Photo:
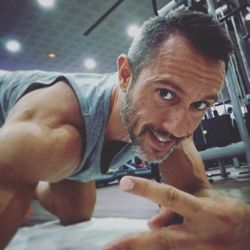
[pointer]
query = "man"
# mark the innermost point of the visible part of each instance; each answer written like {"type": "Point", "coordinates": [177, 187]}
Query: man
{"type": "Point", "coordinates": [62, 130]}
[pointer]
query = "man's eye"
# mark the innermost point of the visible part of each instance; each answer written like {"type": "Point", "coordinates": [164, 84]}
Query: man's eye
{"type": "Point", "coordinates": [200, 105]}
{"type": "Point", "coordinates": [165, 94]}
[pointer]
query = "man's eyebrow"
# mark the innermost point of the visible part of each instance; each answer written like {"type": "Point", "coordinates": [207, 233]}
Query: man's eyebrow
{"type": "Point", "coordinates": [174, 85]}
{"type": "Point", "coordinates": [211, 97]}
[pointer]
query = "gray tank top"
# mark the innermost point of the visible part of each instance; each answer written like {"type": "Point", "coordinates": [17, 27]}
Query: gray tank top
{"type": "Point", "coordinates": [93, 92]}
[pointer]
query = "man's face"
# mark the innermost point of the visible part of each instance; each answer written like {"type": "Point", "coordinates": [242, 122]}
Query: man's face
{"type": "Point", "coordinates": [169, 98]}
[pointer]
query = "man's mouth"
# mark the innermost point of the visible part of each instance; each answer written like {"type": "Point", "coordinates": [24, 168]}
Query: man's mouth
{"type": "Point", "coordinates": [155, 145]}
{"type": "Point", "coordinates": [161, 138]}
{"type": "Point", "coordinates": [161, 142]}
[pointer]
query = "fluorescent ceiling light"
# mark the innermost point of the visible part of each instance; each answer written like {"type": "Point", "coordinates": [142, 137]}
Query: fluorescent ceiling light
{"type": "Point", "coordinates": [52, 55]}
{"type": "Point", "coordinates": [89, 63]}
{"type": "Point", "coordinates": [247, 16]}
{"type": "Point", "coordinates": [13, 46]}
{"type": "Point", "coordinates": [46, 3]}
{"type": "Point", "coordinates": [133, 30]}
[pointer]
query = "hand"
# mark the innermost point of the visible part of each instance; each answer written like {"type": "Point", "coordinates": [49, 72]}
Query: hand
{"type": "Point", "coordinates": [209, 223]}
{"type": "Point", "coordinates": [164, 217]}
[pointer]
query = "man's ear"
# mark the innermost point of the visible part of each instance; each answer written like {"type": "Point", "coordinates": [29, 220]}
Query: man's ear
{"type": "Point", "coordinates": [124, 71]}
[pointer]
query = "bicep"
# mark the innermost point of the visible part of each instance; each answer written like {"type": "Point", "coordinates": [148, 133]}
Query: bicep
{"type": "Point", "coordinates": [31, 151]}
{"type": "Point", "coordinates": [185, 169]}
{"type": "Point", "coordinates": [42, 140]}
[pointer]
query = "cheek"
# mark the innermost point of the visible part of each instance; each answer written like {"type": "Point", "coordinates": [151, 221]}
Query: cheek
{"type": "Point", "coordinates": [144, 107]}
{"type": "Point", "coordinates": [150, 116]}
{"type": "Point", "coordinates": [145, 110]}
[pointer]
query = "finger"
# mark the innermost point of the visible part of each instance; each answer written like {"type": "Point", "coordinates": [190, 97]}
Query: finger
{"type": "Point", "coordinates": [162, 239]}
{"type": "Point", "coordinates": [161, 219]}
{"type": "Point", "coordinates": [164, 218]}
{"type": "Point", "coordinates": [167, 196]}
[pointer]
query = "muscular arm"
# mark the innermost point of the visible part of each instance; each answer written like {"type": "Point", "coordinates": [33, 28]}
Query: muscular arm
{"type": "Point", "coordinates": [184, 169]}
{"type": "Point", "coordinates": [42, 137]}
{"type": "Point", "coordinates": [30, 152]}
{"type": "Point", "coordinates": [40, 140]}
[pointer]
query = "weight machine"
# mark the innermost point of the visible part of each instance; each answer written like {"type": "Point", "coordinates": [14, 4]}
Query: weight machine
{"type": "Point", "coordinates": [231, 13]}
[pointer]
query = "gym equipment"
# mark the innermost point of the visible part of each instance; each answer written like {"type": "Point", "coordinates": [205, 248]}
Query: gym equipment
{"type": "Point", "coordinates": [237, 78]}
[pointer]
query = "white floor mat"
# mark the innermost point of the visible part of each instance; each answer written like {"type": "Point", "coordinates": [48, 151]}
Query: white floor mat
{"type": "Point", "coordinates": [91, 235]}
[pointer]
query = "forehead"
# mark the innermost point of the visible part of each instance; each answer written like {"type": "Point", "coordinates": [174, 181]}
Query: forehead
{"type": "Point", "coordinates": [179, 62]}
{"type": "Point", "coordinates": [178, 52]}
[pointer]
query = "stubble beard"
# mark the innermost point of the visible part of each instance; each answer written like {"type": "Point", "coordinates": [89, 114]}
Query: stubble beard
{"type": "Point", "coordinates": [129, 122]}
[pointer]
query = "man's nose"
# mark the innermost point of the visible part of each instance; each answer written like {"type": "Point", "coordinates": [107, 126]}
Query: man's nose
{"type": "Point", "coordinates": [180, 123]}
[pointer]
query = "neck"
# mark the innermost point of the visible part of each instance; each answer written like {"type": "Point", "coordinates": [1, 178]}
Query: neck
{"type": "Point", "coordinates": [115, 130]}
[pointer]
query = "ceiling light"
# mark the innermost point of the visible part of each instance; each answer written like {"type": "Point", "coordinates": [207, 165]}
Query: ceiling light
{"type": "Point", "coordinates": [46, 3]}
{"type": "Point", "coordinates": [13, 46]}
{"type": "Point", "coordinates": [247, 16]}
{"type": "Point", "coordinates": [133, 30]}
{"type": "Point", "coordinates": [89, 63]}
{"type": "Point", "coordinates": [52, 55]}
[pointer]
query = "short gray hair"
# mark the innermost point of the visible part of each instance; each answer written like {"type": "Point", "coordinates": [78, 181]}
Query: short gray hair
{"type": "Point", "coordinates": [205, 33]}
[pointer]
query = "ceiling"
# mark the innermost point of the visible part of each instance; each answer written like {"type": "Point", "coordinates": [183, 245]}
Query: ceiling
{"type": "Point", "coordinates": [61, 30]}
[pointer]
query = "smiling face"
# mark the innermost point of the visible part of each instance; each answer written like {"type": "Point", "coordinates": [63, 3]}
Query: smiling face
{"type": "Point", "coordinates": [169, 98]}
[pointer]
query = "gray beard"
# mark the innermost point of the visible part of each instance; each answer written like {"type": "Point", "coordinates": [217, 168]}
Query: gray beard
{"type": "Point", "coordinates": [137, 151]}
{"type": "Point", "coordinates": [125, 113]}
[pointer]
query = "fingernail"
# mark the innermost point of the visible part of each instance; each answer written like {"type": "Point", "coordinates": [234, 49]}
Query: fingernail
{"type": "Point", "coordinates": [126, 184]}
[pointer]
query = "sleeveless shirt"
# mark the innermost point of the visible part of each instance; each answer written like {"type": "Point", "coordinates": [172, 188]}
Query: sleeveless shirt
{"type": "Point", "coordinates": [93, 92]}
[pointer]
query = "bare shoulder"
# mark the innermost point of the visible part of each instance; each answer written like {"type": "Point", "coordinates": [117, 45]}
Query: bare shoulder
{"type": "Point", "coordinates": [188, 146]}
{"type": "Point", "coordinates": [186, 154]}
{"type": "Point", "coordinates": [45, 130]}
{"type": "Point", "coordinates": [54, 105]}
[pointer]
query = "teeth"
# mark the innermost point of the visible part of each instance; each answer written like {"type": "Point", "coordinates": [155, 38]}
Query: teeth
{"type": "Point", "coordinates": [161, 138]}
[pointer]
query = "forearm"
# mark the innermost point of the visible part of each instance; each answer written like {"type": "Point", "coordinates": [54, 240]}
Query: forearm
{"type": "Point", "coordinates": [184, 175]}
{"type": "Point", "coordinates": [184, 169]}
{"type": "Point", "coordinates": [44, 196]}
{"type": "Point", "coordinates": [70, 201]}
{"type": "Point", "coordinates": [15, 200]}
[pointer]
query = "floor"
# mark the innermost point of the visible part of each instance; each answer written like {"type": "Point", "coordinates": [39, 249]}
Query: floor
{"type": "Point", "coordinates": [112, 202]}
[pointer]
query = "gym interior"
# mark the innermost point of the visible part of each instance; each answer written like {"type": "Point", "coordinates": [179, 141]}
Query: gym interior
{"type": "Point", "coordinates": [87, 36]}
